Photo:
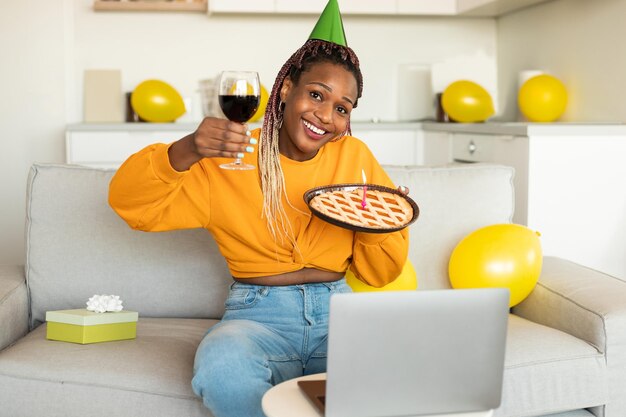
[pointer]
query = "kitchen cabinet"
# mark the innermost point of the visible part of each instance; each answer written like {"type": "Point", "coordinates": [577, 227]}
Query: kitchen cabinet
{"type": "Point", "coordinates": [373, 7]}
{"type": "Point", "coordinates": [300, 6]}
{"type": "Point", "coordinates": [241, 6]}
{"type": "Point", "coordinates": [483, 8]}
{"type": "Point", "coordinates": [502, 149]}
{"type": "Point", "coordinates": [108, 145]}
{"type": "Point", "coordinates": [486, 8]}
{"type": "Point", "coordinates": [143, 6]}
{"type": "Point", "coordinates": [570, 182]}
{"type": "Point", "coordinates": [392, 143]}
{"type": "Point", "coordinates": [426, 7]}
{"type": "Point", "coordinates": [436, 148]}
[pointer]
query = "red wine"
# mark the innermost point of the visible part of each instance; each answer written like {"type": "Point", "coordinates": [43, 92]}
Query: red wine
{"type": "Point", "coordinates": [239, 108]}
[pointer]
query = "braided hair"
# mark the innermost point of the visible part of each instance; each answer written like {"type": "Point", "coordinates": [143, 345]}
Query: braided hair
{"type": "Point", "coordinates": [271, 174]}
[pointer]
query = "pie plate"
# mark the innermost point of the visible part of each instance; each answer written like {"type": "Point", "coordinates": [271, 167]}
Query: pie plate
{"type": "Point", "coordinates": [314, 192]}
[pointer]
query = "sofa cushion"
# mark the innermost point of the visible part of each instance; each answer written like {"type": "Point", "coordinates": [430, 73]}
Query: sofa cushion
{"type": "Point", "coordinates": [148, 376]}
{"type": "Point", "coordinates": [77, 246]}
{"type": "Point", "coordinates": [546, 371]}
{"type": "Point", "coordinates": [454, 201]}
{"type": "Point", "coordinates": [549, 371]}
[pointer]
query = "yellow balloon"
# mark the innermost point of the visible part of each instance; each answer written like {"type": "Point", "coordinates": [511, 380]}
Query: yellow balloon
{"type": "Point", "coordinates": [467, 102]}
{"type": "Point", "coordinates": [542, 98]}
{"type": "Point", "coordinates": [262, 106]}
{"type": "Point", "coordinates": [157, 101]}
{"type": "Point", "coordinates": [407, 280]}
{"type": "Point", "coordinates": [498, 256]}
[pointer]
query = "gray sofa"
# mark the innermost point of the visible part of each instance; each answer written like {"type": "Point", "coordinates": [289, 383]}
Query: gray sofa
{"type": "Point", "coordinates": [566, 346]}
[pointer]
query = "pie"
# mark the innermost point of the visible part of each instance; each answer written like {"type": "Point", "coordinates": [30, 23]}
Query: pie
{"type": "Point", "coordinates": [383, 209]}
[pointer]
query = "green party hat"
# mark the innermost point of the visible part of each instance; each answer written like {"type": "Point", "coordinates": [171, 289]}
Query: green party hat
{"type": "Point", "coordinates": [329, 27]}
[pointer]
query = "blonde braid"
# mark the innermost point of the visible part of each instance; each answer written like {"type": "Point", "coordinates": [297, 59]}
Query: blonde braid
{"type": "Point", "coordinates": [270, 170]}
{"type": "Point", "coordinates": [272, 179]}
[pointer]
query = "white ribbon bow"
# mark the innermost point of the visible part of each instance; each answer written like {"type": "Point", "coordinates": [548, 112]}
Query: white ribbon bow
{"type": "Point", "coordinates": [104, 303]}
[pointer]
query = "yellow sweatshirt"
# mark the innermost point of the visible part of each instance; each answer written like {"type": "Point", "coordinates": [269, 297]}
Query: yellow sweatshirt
{"type": "Point", "coordinates": [151, 196]}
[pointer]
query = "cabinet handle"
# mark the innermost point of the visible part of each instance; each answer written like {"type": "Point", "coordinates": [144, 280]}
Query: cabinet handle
{"type": "Point", "coordinates": [471, 147]}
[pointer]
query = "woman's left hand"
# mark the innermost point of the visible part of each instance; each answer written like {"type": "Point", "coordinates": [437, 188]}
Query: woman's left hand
{"type": "Point", "coordinates": [403, 190]}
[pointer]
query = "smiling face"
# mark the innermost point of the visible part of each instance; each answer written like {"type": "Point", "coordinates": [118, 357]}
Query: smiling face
{"type": "Point", "coordinates": [317, 109]}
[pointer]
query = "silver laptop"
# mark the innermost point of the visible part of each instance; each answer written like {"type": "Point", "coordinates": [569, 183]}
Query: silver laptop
{"type": "Point", "coordinates": [415, 353]}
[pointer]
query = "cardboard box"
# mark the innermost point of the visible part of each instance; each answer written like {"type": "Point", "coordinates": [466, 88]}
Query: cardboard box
{"type": "Point", "coordinates": [103, 100]}
{"type": "Point", "coordinates": [84, 326]}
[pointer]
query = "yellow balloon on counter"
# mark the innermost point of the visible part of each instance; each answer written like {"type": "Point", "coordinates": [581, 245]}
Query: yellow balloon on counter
{"type": "Point", "coordinates": [262, 105]}
{"type": "Point", "coordinates": [498, 256]}
{"type": "Point", "coordinates": [157, 101]}
{"type": "Point", "coordinates": [407, 280]}
{"type": "Point", "coordinates": [542, 98]}
{"type": "Point", "coordinates": [467, 102]}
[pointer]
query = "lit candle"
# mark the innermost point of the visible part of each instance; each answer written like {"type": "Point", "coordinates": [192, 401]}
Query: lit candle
{"type": "Point", "coordinates": [363, 202]}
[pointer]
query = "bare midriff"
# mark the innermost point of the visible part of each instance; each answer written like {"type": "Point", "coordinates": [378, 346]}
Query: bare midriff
{"type": "Point", "coordinates": [302, 276]}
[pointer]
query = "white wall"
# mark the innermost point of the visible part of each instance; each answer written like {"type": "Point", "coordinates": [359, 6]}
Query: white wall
{"type": "Point", "coordinates": [46, 46]}
{"type": "Point", "coordinates": [182, 48]}
{"type": "Point", "coordinates": [578, 41]}
{"type": "Point", "coordinates": [32, 106]}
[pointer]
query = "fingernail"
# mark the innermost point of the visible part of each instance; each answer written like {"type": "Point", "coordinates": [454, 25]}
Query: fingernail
{"type": "Point", "coordinates": [253, 141]}
{"type": "Point", "coordinates": [239, 155]}
{"type": "Point", "coordinates": [248, 133]}
{"type": "Point", "coordinates": [249, 149]}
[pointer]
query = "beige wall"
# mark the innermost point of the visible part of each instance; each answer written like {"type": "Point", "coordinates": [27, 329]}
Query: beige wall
{"type": "Point", "coordinates": [579, 41]}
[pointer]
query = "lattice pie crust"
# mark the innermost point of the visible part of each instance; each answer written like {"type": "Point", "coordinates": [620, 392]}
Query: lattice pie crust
{"type": "Point", "coordinates": [383, 210]}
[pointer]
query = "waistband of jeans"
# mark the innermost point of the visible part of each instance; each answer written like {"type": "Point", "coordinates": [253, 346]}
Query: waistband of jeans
{"type": "Point", "coordinates": [296, 287]}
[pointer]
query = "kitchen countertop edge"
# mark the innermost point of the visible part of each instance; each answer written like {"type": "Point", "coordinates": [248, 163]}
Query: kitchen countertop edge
{"type": "Point", "coordinates": [493, 128]}
{"type": "Point", "coordinates": [190, 126]}
{"type": "Point", "coordinates": [529, 129]}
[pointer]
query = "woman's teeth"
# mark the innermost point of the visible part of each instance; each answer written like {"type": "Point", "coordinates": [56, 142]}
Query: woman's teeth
{"type": "Point", "coordinates": [313, 128]}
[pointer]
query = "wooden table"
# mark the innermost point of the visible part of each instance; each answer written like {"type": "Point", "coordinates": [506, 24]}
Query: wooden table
{"type": "Point", "coordinates": [287, 400]}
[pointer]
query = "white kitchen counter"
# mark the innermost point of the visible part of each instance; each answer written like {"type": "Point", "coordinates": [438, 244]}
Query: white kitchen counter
{"type": "Point", "coordinates": [570, 182]}
{"type": "Point", "coordinates": [496, 128]}
{"type": "Point", "coordinates": [145, 127]}
{"type": "Point", "coordinates": [528, 129]}
{"type": "Point", "coordinates": [107, 145]}
{"type": "Point", "coordinates": [134, 127]}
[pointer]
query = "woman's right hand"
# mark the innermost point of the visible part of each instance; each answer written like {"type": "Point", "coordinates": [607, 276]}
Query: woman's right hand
{"type": "Point", "coordinates": [213, 138]}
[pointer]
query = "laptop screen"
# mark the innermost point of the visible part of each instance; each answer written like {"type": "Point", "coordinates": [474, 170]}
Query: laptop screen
{"type": "Point", "coordinates": [416, 352]}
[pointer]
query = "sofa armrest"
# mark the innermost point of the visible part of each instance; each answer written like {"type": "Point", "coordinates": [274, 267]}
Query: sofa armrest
{"type": "Point", "coordinates": [13, 304]}
{"type": "Point", "coordinates": [580, 301]}
{"type": "Point", "coordinates": [589, 305]}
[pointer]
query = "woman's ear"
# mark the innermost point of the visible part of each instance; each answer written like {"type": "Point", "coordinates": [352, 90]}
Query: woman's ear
{"type": "Point", "coordinates": [285, 89]}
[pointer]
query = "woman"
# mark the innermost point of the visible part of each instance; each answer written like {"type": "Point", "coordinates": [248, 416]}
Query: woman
{"type": "Point", "coordinates": [285, 262]}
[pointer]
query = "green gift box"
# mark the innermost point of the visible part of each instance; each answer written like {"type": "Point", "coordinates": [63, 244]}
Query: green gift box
{"type": "Point", "coordinates": [84, 326]}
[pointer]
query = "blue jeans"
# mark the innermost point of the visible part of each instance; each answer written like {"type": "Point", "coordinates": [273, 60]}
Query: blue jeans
{"type": "Point", "coordinates": [268, 334]}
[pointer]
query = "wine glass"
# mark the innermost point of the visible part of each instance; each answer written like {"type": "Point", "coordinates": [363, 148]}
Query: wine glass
{"type": "Point", "coordinates": [239, 97]}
